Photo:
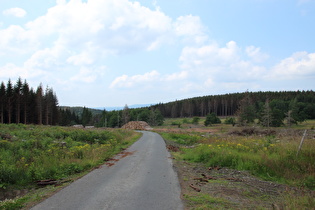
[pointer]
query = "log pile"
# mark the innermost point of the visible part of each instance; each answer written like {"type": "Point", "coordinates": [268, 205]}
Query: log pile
{"type": "Point", "coordinates": [137, 125]}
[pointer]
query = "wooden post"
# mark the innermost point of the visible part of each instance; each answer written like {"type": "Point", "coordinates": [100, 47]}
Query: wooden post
{"type": "Point", "coordinates": [301, 143]}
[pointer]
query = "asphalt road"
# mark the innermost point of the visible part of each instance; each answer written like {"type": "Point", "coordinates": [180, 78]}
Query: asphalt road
{"type": "Point", "coordinates": [143, 178]}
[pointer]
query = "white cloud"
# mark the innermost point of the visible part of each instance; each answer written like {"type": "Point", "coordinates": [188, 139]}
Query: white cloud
{"type": "Point", "coordinates": [107, 27]}
{"type": "Point", "coordinates": [176, 76]}
{"type": "Point", "coordinates": [212, 66]}
{"type": "Point", "coordinates": [70, 42]}
{"type": "Point", "coordinates": [47, 58]}
{"type": "Point", "coordinates": [83, 58]}
{"type": "Point", "coordinates": [300, 64]}
{"type": "Point", "coordinates": [110, 24]}
{"type": "Point", "coordinates": [85, 75]}
{"type": "Point", "coordinates": [64, 36]}
{"type": "Point", "coordinates": [16, 12]}
{"type": "Point", "coordinates": [12, 71]}
{"type": "Point", "coordinates": [209, 56]}
{"type": "Point", "coordinates": [126, 81]}
{"type": "Point", "coordinates": [255, 54]}
{"type": "Point", "coordinates": [191, 28]}
{"type": "Point", "coordinates": [15, 39]}
{"type": "Point", "coordinates": [215, 66]}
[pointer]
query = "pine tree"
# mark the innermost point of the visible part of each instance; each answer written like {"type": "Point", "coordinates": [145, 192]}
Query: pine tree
{"type": "Point", "coordinates": [9, 102]}
{"type": "Point", "coordinates": [25, 99]}
{"type": "Point", "coordinates": [246, 113]}
{"type": "Point", "coordinates": [2, 101]}
{"type": "Point", "coordinates": [18, 96]}
{"type": "Point", "coordinates": [39, 104]}
{"type": "Point", "coordinates": [86, 116]}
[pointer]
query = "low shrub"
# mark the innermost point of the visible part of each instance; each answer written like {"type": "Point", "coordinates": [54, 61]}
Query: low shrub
{"type": "Point", "coordinates": [264, 156]}
{"type": "Point", "coordinates": [31, 153]}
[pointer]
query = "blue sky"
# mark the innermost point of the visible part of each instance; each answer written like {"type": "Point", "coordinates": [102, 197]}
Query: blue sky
{"type": "Point", "coordinates": [98, 53]}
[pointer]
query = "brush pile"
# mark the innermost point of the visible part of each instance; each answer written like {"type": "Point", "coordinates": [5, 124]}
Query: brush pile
{"type": "Point", "coordinates": [137, 125]}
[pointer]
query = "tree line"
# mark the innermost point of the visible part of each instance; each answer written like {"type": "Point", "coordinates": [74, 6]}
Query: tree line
{"type": "Point", "coordinates": [271, 108]}
{"type": "Point", "coordinates": [117, 118]}
{"type": "Point", "coordinates": [21, 104]}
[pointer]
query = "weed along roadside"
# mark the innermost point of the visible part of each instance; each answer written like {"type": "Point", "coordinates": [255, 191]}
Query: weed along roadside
{"type": "Point", "coordinates": [243, 168]}
{"type": "Point", "coordinates": [38, 160]}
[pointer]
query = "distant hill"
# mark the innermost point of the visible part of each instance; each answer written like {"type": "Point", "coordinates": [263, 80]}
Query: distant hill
{"type": "Point", "coordinates": [122, 107]}
{"type": "Point", "coordinates": [98, 110]}
{"type": "Point", "coordinates": [78, 110]}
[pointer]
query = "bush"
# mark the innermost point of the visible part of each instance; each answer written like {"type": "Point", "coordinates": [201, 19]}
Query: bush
{"type": "Point", "coordinates": [196, 120]}
{"type": "Point", "coordinates": [212, 119]}
{"type": "Point", "coordinates": [230, 120]}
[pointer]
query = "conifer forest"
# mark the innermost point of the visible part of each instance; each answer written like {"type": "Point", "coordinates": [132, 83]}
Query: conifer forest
{"type": "Point", "coordinates": [19, 103]}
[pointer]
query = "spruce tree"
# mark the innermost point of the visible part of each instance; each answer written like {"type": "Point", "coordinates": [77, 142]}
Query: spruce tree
{"type": "Point", "coordinates": [18, 96]}
{"type": "Point", "coordinates": [25, 100]}
{"type": "Point", "coordinates": [9, 101]}
{"type": "Point", "coordinates": [2, 101]}
{"type": "Point", "coordinates": [246, 113]}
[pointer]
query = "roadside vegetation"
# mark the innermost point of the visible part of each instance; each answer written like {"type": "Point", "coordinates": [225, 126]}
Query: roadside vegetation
{"type": "Point", "coordinates": [268, 153]}
{"type": "Point", "coordinates": [31, 155]}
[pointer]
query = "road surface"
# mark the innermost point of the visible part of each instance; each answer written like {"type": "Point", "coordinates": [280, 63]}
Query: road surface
{"type": "Point", "coordinates": [140, 178]}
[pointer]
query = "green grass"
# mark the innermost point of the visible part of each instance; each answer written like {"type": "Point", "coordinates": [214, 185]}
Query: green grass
{"type": "Point", "coordinates": [29, 153]}
{"type": "Point", "coordinates": [269, 157]}
{"type": "Point", "coordinates": [298, 202]}
{"type": "Point", "coordinates": [183, 139]}
{"type": "Point", "coordinates": [205, 201]}
{"type": "Point", "coordinates": [12, 204]}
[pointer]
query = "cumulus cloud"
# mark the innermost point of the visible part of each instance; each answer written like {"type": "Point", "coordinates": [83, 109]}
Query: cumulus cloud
{"type": "Point", "coordinates": [191, 28]}
{"type": "Point", "coordinates": [230, 65]}
{"type": "Point", "coordinates": [176, 76]}
{"type": "Point", "coordinates": [213, 65]}
{"type": "Point", "coordinates": [74, 48]}
{"type": "Point", "coordinates": [107, 27]}
{"type": "Point", "coordinates": [209, 56]}
{"type": "Point", "coordinates": [85, 75]}
{"type": "Point", "coordinates": [16, 40]}
{"type": "Point", "coordinates": [47, 58]}
{"type": "Point", "coordinates": [255, 54]}
{"type": "Point", "coordinates": [83, 58]}
{"type": "Point", "coordinates": [300, 64]}
{"type": "Point", "coordinates": [16, 12]}
{"type": "Point", "coordinates": [126, 81]}
{"type": "Point", "coordinates": [11, 70]}
{"type": "Point", "coordinates": [120, 26]}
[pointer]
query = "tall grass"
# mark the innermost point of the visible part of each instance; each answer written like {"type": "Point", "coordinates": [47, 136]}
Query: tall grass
{"type": "Point", "coordinates": [30, 153]}
{"type": "Point", "coordinates": [269, 157]}
{"type": "Point", "coordinates": [181, 138]}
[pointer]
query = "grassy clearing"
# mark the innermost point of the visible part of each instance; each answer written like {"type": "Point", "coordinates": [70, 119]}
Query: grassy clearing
{"type": "Point", "coordinates": [30, 153]}
{"type": "Point", "coordinates": [268, 155]}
